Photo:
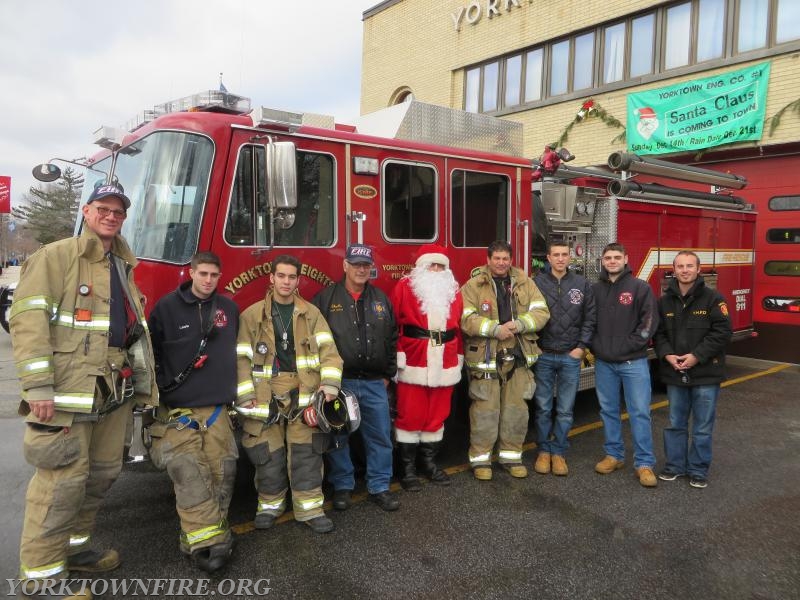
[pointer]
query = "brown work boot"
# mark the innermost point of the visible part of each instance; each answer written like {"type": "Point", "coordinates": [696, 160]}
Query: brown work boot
{"type": "Point", "coordinates": [559, 465]}
{"type": "Point", "coordinates": [609, 464]}
{"type": "Point", "coordinates": [93, 561]}
{"type": "Point", "coordinates": [646, 477]}
{"type": "Point", "coordinates": [482, 473]}
{"type": "Point", "coordinates": [516, 470]}
{"type": "Point", "coordinates": [542, 464]}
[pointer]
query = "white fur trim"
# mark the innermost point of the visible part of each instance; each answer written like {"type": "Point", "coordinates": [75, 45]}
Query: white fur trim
{"type": "Point", "coordinates": [401, 360]}
{"type": "Point", "coordinates": [432, 378]}
{"type": "Point", "coordinates": [431, 436]}
{"type": "Point", "coordinates": [433, 257]}
{"type": "Point", "coordinates": [407, 437]}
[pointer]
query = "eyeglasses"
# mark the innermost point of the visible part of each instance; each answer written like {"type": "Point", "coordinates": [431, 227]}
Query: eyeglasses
{"type": "Point", "coordinates": [360, 266]}
{"type": "Point", "coordinates": [105, 212]}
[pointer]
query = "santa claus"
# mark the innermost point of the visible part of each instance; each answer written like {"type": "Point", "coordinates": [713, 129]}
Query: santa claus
{"type": "Point", "coordinates": [430, 353]}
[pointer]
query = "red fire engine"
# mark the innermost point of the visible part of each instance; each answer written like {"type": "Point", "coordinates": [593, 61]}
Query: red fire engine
{"type": "Point", "coordinates": [206, 172]}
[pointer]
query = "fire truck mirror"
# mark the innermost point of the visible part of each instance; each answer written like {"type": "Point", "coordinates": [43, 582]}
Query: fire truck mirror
{"type": "Point", "coordinates": [282, 175]}
{"type": "Point", "coordinates": [46, 172]}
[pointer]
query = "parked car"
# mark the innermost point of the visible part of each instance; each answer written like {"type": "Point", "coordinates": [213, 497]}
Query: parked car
{"type": "Point", "coordinates": [6, 296]}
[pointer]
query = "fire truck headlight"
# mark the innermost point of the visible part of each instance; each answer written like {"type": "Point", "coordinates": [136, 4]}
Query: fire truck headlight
{"type": "Point", "coordinates": [365, 166]}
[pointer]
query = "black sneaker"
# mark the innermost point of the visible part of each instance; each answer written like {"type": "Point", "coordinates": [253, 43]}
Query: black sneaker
{"type": "Point", "coordinates": [698, 482]}
{"type": "Point", "coordinates": [667, 475]}
{"type": "Point", "coordinates": [341, 499]}
{"type": "Point", "coordinates": [320, 524]}
{"type": "Point", "coordinates": [386, 500]}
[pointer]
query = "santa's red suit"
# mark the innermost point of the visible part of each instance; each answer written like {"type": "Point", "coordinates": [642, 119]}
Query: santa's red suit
{"type": "Point", "coordinates": [426, 370]}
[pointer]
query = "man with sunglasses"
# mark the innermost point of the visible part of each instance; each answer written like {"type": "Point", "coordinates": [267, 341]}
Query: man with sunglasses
{"type": "Point", "coordinates": [76, 318]}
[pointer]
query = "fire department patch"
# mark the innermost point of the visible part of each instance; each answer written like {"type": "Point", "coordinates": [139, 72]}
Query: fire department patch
{"type": "Point", "coordinates": [723, 308]}
{"type": "Point", "coordinates": [486, 306]}
{"type": "Point", "coordinates": [626, 298]}
{"type": "Point", "coordinates": [220, 319]}
{"type": "Point", "coordinates": [379, 309]}
{"type": "Point", "coordinates": [575, 296]}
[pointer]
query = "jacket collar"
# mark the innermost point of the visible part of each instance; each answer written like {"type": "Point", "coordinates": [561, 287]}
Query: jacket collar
{"type": "Point", "coordinates": [604, 274]}
{"type": "Point", "coordinates": [675, 289]}
{"type": "Point", "coordinates": [90, 246]}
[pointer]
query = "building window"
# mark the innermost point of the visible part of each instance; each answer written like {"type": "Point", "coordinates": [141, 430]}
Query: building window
{"type": "Point", "coordinates": [780, 203]}
{"type": "Point", "coordinates": [409, 201]}
{"type": "Point", "coordinates": [479, 200]}
{"type": "Point", "coordinates": [642, 43]}
{"type": "Point", "coordinates": [677, 35]}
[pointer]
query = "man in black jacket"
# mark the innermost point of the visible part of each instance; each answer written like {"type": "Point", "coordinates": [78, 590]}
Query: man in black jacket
{"type": "Point", "coordinates": [563, 341]}
{"type": "Point", "coordinates": [362, 322]}
{"type": "Point", "coordinates": [194, 341]}
{"type": "Point", "coordinates": [627, 317]}
{"type": "Point", "coordinates": [690, 342]}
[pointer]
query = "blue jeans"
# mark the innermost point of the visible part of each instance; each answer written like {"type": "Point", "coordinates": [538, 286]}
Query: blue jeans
{"type": "Point", "coordinates": [565, 371]}
{"type": "Point", "coordinates": [632, 376]}
{"type": "Point", "coordinates": [376, 431]}
{"type": "Point", "coordinates": [699, 401]}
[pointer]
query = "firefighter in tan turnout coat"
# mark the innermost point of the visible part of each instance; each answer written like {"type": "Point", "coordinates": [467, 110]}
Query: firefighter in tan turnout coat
{"type": "Point", "coordinates": [286, 354]}
{"type": "Point", "coordinates": [80, 346]}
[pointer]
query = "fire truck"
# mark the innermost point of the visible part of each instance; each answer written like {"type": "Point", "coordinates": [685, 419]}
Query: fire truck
{"type": "Point", "coordinates": [208, 173]}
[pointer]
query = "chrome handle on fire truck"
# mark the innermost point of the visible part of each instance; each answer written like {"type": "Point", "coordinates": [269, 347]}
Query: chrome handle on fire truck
{"type": "Point", "coordinates": [358, 218]}
{"type": "Point", "coordinates": [526, 250]}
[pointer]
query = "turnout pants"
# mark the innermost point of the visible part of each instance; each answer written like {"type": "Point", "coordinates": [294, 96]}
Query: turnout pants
{"type": "Point", "coordinates": [75, 467]}
{"type": "Point", "coordinates": [202, 465]}
{"type": "Point", "coordinates": [498, 415]}
{"type": "Point", "coordinates": [286, 453]}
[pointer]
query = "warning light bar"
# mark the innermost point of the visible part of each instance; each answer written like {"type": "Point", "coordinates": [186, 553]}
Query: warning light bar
{"type": "Point", "coordinates": [208, 101]}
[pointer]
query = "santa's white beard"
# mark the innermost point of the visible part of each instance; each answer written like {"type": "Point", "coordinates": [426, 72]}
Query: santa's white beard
{"type": "Point", "coordinates": [435, 291]}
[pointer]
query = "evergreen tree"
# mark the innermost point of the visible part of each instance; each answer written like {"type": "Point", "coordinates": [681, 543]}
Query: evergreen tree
{"type": "Point", "coordinates": [50, 209]}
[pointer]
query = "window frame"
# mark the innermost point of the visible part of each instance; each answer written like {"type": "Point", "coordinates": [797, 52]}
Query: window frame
{"type": "Point", "coordinates": [451, 208]}
{"type": "Point", "coordinates": [436, 200]}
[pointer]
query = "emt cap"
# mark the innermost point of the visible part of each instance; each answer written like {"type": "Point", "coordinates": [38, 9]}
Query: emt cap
{"type": "Point", "coordinates": [108, 190]}
{"type": "Point", "coordinates": [359, 253]}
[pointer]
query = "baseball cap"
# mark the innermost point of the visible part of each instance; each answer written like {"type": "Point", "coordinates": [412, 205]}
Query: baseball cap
{"type": "Point", "coordinates": [111, 189]}
{"type": "Point", "coordinates": [359, 253]}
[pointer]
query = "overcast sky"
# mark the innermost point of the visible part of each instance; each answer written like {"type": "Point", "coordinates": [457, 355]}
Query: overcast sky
{"type": "Point", "coordinates": [66, 68]}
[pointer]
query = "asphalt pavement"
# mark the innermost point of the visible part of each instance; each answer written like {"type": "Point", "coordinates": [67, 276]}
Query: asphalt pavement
{"type": "Point", "coordinates": [583, 536]}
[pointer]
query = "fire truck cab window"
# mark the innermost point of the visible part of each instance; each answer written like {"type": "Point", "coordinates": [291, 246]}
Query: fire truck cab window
{"type": "Point", "coordinates": [409, 201]}
{"type": "Point", "coordinates": [166, 177]}
{"type": "Point", "coordinates": [780, 203]}
{"type": "Point", "coordinates": [480, 208]}
{"type": "Point", "coordinates": [248, 222]}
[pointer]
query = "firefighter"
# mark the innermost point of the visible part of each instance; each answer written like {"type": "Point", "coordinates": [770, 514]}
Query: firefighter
{"type": "Point", "coordinates": [82, 355]}
{"type": "Point", "coordinates": [194, 340]}
{"type": "Point", "coordinates": [286, 354]}
{"type": "Point", "coordinates": [427, 305]}
{"type": "Point", "coordinates": [362, 321]}
{"type": "Point", "coordinates": [503, 311]}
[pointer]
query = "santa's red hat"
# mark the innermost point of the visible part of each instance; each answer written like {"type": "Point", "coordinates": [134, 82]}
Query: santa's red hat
{"type": "Point", "coordinates": [646, 113]}
{"type": "Point", "coordinates": [432, 253]}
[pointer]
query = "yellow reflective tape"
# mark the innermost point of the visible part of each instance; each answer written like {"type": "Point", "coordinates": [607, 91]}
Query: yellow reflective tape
{"type": "Point", "coordinates": [99, 323]}
{"type": "Point", "coordinates": [330, 373]}
{"type": "Point", "coordinates": [487, 327]}
{"type": "Point", "coordinates": [21, 305]}
{"type": "Point", "coordinates": [43, 571]}
{"type": "Point", "coordinates": [34, 365]}
{"type": "Point", "coordinates": [310, 362]}
{"type": "Point", "coordinates": [259, 411]}
{"type": "Point", "coordinates": [200, 535]}
{"type": "Point", "coordinates": [324, 337]}
{"type": "Point", "coordinates": [273, 506]}
{"type": "Point", "coordinates": [262, 374]}
{"type": "Point", "coordinates": [468, 310]}
{"type": "Point", "coordinates": [245, 387]}
{"type": "Point", "coordinates": [304, 400]}
{"type": "Point", "coordinates": [527, 319]}
{"type": "Point", "coordinates": [481, 458]}
{"type": "Point", "coordinates": [483, 366]}
{"type": "Point", "coordinates": [244, 350]}
{"type": "Point", "coordinates": [510, 454]}
{"type": "Point", "coordinates": [311, 503]}
{"type": "Point", "coordinates": [74, 402]}
{"type": "Point", "coordinates": [537, 304]}
{"type": "Point", "coordinates": [78, 540]}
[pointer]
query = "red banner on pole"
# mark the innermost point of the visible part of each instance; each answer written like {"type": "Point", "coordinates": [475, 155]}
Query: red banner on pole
{"type": "Point", "coordinates": [5, 194]}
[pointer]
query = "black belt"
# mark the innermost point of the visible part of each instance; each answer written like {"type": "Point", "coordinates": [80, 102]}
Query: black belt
{"type": "Point", "coordinates": [437, 338]}
{"type": "Point", "coordinates": [549, 351]}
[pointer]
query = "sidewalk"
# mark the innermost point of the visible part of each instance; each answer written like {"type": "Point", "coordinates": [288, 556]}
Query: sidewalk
{"type": "Point", "coordinates": [10, 275]}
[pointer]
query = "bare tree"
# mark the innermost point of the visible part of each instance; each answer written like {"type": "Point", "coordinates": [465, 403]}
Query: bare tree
{"type": "Point", "coordinates": [49, 210]}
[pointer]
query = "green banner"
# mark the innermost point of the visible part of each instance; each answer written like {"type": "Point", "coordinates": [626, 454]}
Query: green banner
{"type": "Point", "coordinates": [693, 115]}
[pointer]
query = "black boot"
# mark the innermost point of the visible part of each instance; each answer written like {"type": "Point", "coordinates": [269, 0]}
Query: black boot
{"type": "Point", "coordinates": [408, 462]}
{"type": "Point", "coordinates": [427, 454]}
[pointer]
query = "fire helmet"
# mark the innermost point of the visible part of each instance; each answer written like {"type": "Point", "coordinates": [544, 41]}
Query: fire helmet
{"type": "Point", "coordinates": [340, 415]}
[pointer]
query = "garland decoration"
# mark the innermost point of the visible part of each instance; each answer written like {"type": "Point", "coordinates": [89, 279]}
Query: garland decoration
{"type": "Point", "coordinates": [591, 108]}
{"type": "Point", "coordinates": [775, 119]}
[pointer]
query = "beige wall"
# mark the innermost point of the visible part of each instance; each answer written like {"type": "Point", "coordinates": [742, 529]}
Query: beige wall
{"type": "Point", "coordinates": [414, 44]}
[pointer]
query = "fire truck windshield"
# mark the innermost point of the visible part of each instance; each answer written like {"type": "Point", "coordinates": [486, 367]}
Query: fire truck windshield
{"type": "Point", "coordinates": [166, 177]}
